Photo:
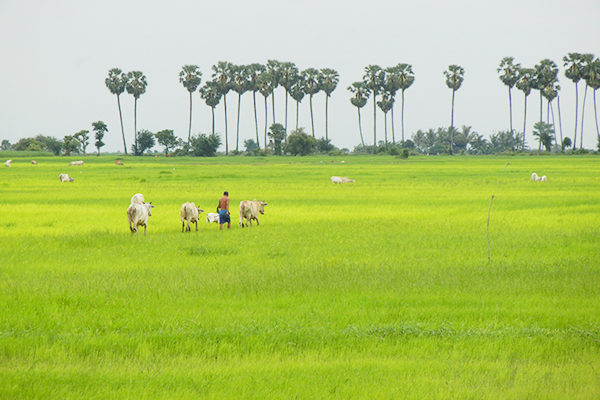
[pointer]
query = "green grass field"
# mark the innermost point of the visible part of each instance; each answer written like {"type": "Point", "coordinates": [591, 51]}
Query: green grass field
{"type": "Point", "coordinates": [378, 289]}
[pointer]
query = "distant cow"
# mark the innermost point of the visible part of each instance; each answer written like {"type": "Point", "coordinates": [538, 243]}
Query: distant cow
{"type": "Point", "coordinates": [118, 162]}
{"type": "Point", "coordinates": [138, 198]}
{"type": "Point", "coordinates": [250, 210]}
{"type": "Point", "coordinates": [34, 162]}
{"type": "Point", "coordinates": [535, 177]}
{"type": "Point", "coordinates": [189, 213]}
{"type": "Point", "coordinates": [7, 163]}
{"type": "Point", "coordinates": [341, 179]}
{"type": "Point", "coordinates": [65, 178]}
{"type": "Point", "coordinates": [75, 163]}
{"type": "Point", "coordinates": [137, 214]}
{"type": "Point", "coordinates": [544, 179]}
{"type": "Point", "coordinates": [212, 217]}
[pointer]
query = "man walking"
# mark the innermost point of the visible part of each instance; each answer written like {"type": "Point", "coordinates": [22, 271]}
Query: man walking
{"type": "Point", "coordinates": [223, 211]}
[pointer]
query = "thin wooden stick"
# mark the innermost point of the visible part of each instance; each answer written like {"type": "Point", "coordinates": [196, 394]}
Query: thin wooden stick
{"type": "Point", "coordinates": [488, 229]}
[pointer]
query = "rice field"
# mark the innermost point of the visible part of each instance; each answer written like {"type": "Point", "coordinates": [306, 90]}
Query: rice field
{"type": "Point", "coordinates": [383, 288]}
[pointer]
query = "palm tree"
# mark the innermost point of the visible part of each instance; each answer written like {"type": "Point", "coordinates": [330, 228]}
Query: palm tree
{"type": "Point", "coordinates": [587, 73]}
{"type": "Point", "coordinates": [525, 83]}
{"type": "Point", "coordinates": [190, 77]}
{"type": "Point", "coordinates": [212, 96]}
{"type": "Point", "coordinates": [509, 76]}
{"type": "Point", "coordinates": [265, 82]}
{"type": "Point", "coordinates": [550, 92]}
{"type": "Point", "coordinates": [593, 81]}
{"type": "Point", "coordinates": [574, 72]}
{"type": "Point", "coordinates": [359, 100]}
{"type": "Point", "coordinates": [240, 84]}
{"type": "Point", "coordinates": [454, 79]}
{"type": "Point", "coordinates": [222, 76]}
{"type": "Point", "coordinates": [407, 78]}
{"type": "Point", "coordinates": [391, 85]}
{"type": "Point", "coordinates": [546, 73]}
{"type": "Point", "coordinates": [329, 81]}
{"type": "Point", "coordinates": [274, 69]}
{"type": "Point", "coordinates": [289, 76]}
{"type": "Point", "coordinates": [254, 70]}
{"type": "Point", "coordinates": [312, 78]}
{"type": "Point", "coordinates": [116, 83]}
{"type": "Point", "coordinates": [298, 91]}
{"type": "Point", "coordinates": [385, 104]}
{"type": "Point", "coordinates": [136, 86]}
{"type": "Point", "coordinates": [373, 79]}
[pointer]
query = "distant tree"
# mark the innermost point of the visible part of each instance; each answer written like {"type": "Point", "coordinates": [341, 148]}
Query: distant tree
{"type": "Point", "coordinates": [312, 78]}
{"type": "Point", "coordinates": [566, 143]}
{"type": "Point", "coordinates": [359, 100]}
{"type": "Point", "coordinates": [190, 77]}
{"type": "Point", "coordinates": [99, 129]}
{"type": "Point", "coordinates": [386, 104]}
{"type": "Point", "coordinates": [251, 146]}
{"type": "Point", "coordinates": [6, 145]}
{"type": "Point", "coordinates": [167, 139]}
{"type": "Point", "coordinates": [70, 145]}
{"type": "Point", "coordinates": [546, 73]}
{"type": "Point", "coordinates": [254, 71]}
{"type": "Point", "coordinates": [222, 74]}
{"type": "Point", "coordinates": [50, 144]}
{"type": "Point", "coordinates": [550, 92]}
{"type": "Point", "coordinates": [406, 79]}
{"type": "Point", "coordinates": [83, 138]}
{"type": "Point", "coordinates": [212, 96]}
{"type": "Point", "coordinates": [324, 145]}
{"type": "Point", "coordinates": [373, 78]}
{"type": "Point", "coordinates": [544, 132]}
{"type": "Point", "coordinates": [289, 76]}
{"type": "Point", "coordinates": [586, 74]}
{"type": "Point", "coordinates": [136, 86]}
{"type": "Point", "coordinates": [205, 145]}
{"type": "Point", "coordinates": [298, 91]}
{"type": "Point", "coordinates": [116, 84]}
{"type": "Point", "coordinates": [574, 71]}
{"type": "Point", "coordinates": [278, 136]}
{"type": "Point", "coordinates": [329, 79]}
{"type": "Point", "coordinates": [454, 79]}
{"type": "Point", "coordinates": [265, 84]}
{"type": "Point", "coordinates": [525, 83]}
{"type": "Point", "coordinates": [593, 81]}
{"type": "Point", "coordinates": [145, 141]}
{"type": "Point", "coordinates": [509, 75]}
{"type": "Point", "coordinates": [300, 143]}
{"type": "Point", "coordinates": [274, 70]}
{"type": "Point", "coordinates": [28, 144]}
{"type": "Point", "coordinates": [240, 84]}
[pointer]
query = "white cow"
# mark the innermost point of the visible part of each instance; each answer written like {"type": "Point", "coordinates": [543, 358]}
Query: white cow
{"type": "Point", "coordinates": [7, 163]}
{"type": "Point", "coordinates": [544, 179]}
{"type": "Point", "coordinates": [65, 178]}
{"type": "Point", "coordinates": [212, 217]}
{"type": "Point", "coordinates": [189, 213]}
{"type": "Point", "coordinates": [137, 214]}
{"type": "Point", "coordinates": [250, 210]}
{"type": "Point", "coordinates": [138, 198]}
{"type": "Point", "coordinates": [535, 177]}
{"type": "Point", "coordinates": [75, 163]}
{"type": "Point", "coordinates": [341, 179]}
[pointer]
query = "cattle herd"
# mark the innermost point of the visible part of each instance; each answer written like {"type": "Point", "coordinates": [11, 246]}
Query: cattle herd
{"type": "Point", "coordinates": [139, 210]}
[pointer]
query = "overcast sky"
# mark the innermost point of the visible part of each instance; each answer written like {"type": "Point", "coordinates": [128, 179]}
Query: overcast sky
{"type": "Point", "coordinates": [55, 56]}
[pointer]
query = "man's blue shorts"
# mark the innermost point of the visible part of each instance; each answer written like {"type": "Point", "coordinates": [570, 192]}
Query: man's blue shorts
{"type": "Point", "coordinates": [223, 217]}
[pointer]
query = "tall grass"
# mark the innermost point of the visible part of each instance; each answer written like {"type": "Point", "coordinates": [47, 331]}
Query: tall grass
{"type": "Point", "coordinates": [377, 289]}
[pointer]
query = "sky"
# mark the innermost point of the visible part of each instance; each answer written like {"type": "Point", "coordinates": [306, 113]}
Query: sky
{"type": "Point", "coordinates": [55, 56]}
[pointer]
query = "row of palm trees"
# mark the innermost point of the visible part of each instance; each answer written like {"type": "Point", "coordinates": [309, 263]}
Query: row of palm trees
{"type": "Point", "coordinates": [241, 79]}
{"type": "Point", "coordinates": [544, 78]}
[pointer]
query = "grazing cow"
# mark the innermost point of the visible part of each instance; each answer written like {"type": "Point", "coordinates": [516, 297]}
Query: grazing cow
{"type": "Point", "coordinates": [535, 177]}
{"type": "Point", "coordinates": [137, 214]}
{"type": "Point", "coordinates": [65, 178]}
{"type": "Point", "coordinates": [34, 162]}
{"type": "Point", "coordinates": [544, 179]}
{"type": "Point", "coordinates": [189, 213]}
{"type": "Point", "coordinates": [138, 198]}
{"type": "Point", "coordinates": [212, 217]}
{"type": "Point", "coordinates": [7, 163]}
{"type": "Point", "coordinates": [250, 210]}
{"type": "Point", "coordinates": [118, 162]}
{"type": "Point", "coordinates": [75, 163]}
{"type": "Point", "coordinates": [341, 179]}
